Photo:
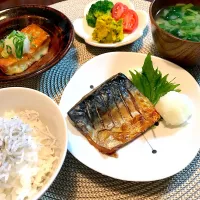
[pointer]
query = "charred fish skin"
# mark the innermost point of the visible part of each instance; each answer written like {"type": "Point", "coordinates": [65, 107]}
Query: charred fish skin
{"type": "Point", "coordinates": [89, 109]}
{"type": "Point", "coordinates": [80, 118]}
{"type": "Point", "coordinates": [113, 114]}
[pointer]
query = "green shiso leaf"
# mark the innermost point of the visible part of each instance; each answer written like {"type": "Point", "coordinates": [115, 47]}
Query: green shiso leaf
{"type": "Point", "coordinates": [151, 83]}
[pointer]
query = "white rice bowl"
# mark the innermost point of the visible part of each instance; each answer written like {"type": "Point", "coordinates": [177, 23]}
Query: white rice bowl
{"type": "Point", "coordinates": [20, 99]}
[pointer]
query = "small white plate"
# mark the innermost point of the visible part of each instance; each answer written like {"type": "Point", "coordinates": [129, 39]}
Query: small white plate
{"type": "Point", "coordinates": [84, 31]}
{"type": "Point", "coordinates": [176, 147]}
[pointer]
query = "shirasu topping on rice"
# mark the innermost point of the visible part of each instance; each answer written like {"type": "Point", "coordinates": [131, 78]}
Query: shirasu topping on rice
{"type": "Point", "coordinates": [27, 155]}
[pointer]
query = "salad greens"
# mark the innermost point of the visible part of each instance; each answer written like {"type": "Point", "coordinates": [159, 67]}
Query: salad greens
{"type": "Point", "coordinates": [97, 9]}
{"type": "Point", "coordinates": [151, 83]}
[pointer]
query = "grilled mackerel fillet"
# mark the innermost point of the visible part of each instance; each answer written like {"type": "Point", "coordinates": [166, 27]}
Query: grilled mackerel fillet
{"type": "Point", "coordinates": [113, 114]}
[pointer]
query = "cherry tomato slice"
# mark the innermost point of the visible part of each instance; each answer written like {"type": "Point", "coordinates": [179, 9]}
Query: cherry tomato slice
{"type": "Point", "coordinates": [118, 10]}
{"type": "Point", "coordinates": [130, 21]}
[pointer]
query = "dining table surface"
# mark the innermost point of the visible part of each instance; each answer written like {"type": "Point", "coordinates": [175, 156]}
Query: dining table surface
{"type": "Point", "coordinates": [10, 3]}
{"type": "Point", "coordinates": [75, 180]}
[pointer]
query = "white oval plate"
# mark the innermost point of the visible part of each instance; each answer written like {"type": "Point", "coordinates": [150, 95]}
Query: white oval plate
{"type": "Point", "coordinates": [176, 147]}
{"type": "Point", "coordinates": [84, 31]}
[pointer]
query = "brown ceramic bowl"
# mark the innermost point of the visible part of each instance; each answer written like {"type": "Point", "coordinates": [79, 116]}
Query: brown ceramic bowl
{"type": "Point", "coordinates": [183, 52]}
{"type": "Point", "coordinates": [54, 22]}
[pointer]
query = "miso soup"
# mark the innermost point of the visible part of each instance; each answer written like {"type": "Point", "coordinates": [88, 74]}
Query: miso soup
{"type": "Point", "coordinates": [181, 20]}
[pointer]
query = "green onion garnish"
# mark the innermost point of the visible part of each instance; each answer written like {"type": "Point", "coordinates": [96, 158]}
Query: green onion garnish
{"type": "Point", "coordinates": [8, 49]}
{"type": "Point", "coordinates": [1, 43]}
{"type": "Point", "coordinates": [12, 34]}
{"type": "Point", "coordinates": [19, 44]}
{"type": "Point", "coordinates": [33, 45]}
{"type": "Point", "coordinates": [18, 41]}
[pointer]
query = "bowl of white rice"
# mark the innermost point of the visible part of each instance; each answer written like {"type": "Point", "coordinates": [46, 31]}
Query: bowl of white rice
{"type": "Point", "coordinates": [33, 143]}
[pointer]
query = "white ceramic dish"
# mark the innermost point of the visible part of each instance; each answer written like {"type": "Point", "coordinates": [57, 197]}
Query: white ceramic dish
{"type": "Point", "coordinates": [17, 99]}
{"type": "Point", "coordinates": [84, 31]}
{"type": "Point", "coordinates": [176, 147]}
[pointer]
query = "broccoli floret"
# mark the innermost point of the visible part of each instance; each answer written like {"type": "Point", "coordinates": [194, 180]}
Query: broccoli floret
{"type": "Point", "coordinates": [98, 9]}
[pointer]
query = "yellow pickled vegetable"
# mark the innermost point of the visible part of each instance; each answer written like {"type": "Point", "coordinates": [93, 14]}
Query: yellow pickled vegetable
{"type": "Point", "coordinates": [108, 30]}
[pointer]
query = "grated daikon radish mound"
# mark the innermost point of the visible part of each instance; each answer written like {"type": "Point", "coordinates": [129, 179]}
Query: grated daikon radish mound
{"type": "Point", "coordinates": [27, 155]}
{"type": "Point", "coordinates": [175, 108]}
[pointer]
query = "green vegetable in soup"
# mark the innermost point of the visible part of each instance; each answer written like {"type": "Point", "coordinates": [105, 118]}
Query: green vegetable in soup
{"type": "Point", "coordinates": [97, 9]}
{"type": "Point", "coordinates": [181, 20]}
{"type": "Point", "coordinates": [151, 83]}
